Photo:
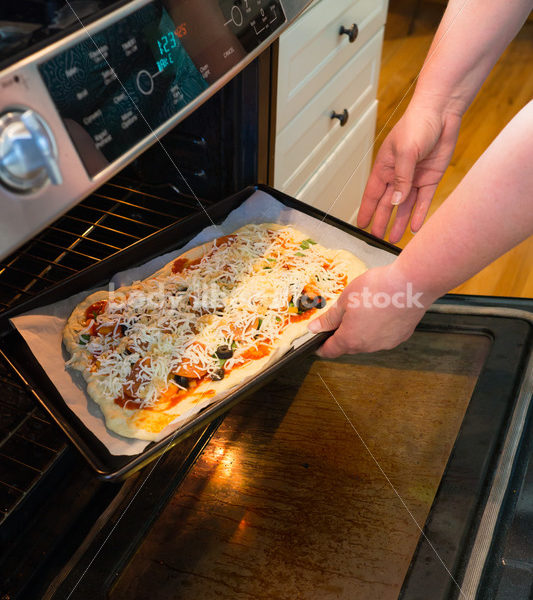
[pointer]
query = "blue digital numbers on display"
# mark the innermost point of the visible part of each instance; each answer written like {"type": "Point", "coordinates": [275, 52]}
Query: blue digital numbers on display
{"type": "Point", "coordinates": [165, 44]}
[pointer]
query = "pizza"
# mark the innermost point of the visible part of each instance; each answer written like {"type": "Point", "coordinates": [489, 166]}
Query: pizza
{"type": "Point", "coordinates": [158, 351]}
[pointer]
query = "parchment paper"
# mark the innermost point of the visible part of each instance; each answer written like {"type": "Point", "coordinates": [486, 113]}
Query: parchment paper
{"type": "Point", "coordinates": [42, 327]}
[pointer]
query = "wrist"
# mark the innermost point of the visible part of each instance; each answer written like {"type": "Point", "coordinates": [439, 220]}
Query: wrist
{"type": "Point", "coordinates": [423, 289]}
{"type": "Point", "coordinates": [439, 103]}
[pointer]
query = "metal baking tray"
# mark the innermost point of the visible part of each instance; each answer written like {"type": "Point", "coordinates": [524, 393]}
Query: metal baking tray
{"type": "Point", "coordinates": [18, 355]}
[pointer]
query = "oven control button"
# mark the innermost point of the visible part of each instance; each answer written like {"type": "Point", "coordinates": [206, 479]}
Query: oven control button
{"type": "Point", "coordinates": [236, 16]}
{"type": "Point", "coordinates": [145, 82]}
{"type": "Point", "coordinates": [28, 154]}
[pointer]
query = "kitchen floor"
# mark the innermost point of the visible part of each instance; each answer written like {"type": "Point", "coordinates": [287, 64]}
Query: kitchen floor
{"type": "Point", "coordinates": [410, 27]}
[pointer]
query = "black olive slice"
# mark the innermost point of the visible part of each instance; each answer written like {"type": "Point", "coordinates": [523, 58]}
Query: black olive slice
{"type": "Point", "coordinates": [217, 375]}
{"type": "Point", "coordinates": [224, 352]}
{"type": "Point", "coordinates": [306, 302]}
{"type": "Point", "coordinates": [320, 301]}
{"type": "Point", "coordinates": [123, 328]}
{"type": "Point", "coordinates": [182, 381]}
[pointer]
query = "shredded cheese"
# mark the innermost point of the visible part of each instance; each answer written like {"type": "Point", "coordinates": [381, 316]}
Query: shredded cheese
{"type": "Point", "coordinates": [241, 294]}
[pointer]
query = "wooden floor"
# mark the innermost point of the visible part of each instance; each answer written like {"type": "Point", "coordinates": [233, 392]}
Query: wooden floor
{"type": "Point", "coordinates": [507, 89]}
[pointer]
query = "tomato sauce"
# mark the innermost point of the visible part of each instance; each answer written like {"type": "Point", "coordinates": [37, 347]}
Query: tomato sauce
{"type": "Point", "coordinates": [128, 403]}
{"type": "Point", "coordinates": [170, 397]}
{"type": "Point", "coordinates": [129, 399]}
{"type": "Point", "coordinates": [225, 239]}
{"type": "Point", "coordinates": [294, 318]}
{"type": "Point", "coordinates": [179, 264]}
{"type": "Point", "coordinates": [95, 309]}
{"type": "Point", "coordinates": [90, 315]}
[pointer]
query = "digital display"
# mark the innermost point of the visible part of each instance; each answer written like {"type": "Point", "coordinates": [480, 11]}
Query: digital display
{"type": "Point", "coordinates": [117, 86]}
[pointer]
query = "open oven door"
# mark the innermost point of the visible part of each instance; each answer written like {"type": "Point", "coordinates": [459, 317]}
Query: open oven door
{"type": "Point", "coordinates": [399, 474]}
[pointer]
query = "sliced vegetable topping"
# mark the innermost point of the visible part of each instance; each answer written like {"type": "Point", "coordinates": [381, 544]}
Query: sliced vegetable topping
{"type": "Point", "coordinates": [182, 381]}
{"type": "Point", "coordinates": [306, 243]}
{"type": "Point", "coordinates": [85, 338]}
{"type": "Point", "coordinates": [306, 302]}
{"type": "Point", "coordinates": [218, 375]}
{"type": "Point", "coordinates": [224, 352]}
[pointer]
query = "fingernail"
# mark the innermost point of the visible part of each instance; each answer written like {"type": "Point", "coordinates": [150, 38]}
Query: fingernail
{"type": "Point", "coordinates": [314, 326]}
{"type": "Point", "coordinates": [396, 198]}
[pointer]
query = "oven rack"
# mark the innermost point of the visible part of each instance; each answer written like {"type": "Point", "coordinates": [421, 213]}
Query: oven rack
{"type": "Point", "coordinates": [30, 444]}
{"type": "Point", "coordinates": [119, 214]}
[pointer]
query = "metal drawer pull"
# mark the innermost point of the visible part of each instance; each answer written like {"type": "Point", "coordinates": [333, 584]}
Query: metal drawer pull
{"type": "Point", "coordinates": [351, 33]}
{"type": "Point", "coordinates": [343, 117]}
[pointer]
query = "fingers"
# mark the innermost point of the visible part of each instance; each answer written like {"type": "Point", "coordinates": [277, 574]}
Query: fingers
{"type": "Point", "coordinates": [403, 214]}
{"type": "Point", "coordinates": [374, 190]}
{"type": "Point", "coordinates": [423, 202]}
{"type": "Point", "coordinates": [335, 345]}
{"type": "Point", "coordinates": [383, 213]}
{"type": "Point", "coordinates": [329, 320]}
{"type": "Point", "coordinates": [404, 170]}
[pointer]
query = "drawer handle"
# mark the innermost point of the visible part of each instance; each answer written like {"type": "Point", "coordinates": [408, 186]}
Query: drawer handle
{"type": "Point", "coordinates": [343, 117]}
{"type": "Point", "coordinates": [352, 32]}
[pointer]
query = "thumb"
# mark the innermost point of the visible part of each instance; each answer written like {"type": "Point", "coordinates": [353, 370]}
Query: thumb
{"type": "Point", "coordinates": [331, 319]}
{"type": "Point", "coordinates": [404, 170]}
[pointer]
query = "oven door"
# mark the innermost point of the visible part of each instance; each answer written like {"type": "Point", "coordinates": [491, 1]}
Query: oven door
{"type": "Point", "coordinates": [389, 475]}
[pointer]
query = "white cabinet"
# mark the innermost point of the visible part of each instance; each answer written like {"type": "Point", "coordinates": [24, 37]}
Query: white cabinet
{"type": "Point", "coordinates": [337, 185]}
{"type": "Point", "coordinates": [320, 72]}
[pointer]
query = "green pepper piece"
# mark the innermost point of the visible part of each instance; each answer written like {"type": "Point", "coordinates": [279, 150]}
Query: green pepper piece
{"type": "Point", "coordinates": [84, 339]}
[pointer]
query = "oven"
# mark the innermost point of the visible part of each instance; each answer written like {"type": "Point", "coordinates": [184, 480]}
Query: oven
{"type": "Point", "coordinates": [401, 474]}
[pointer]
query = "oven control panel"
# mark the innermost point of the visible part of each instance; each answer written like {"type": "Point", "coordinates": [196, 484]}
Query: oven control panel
{"type": "Point", "coordinates": [118, 86]}
{"type": "Point", "coordinates": [75, 112]}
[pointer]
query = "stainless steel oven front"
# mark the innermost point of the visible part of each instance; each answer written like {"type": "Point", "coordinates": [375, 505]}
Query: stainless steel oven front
{"type": "Point", "coordinates": [76, 111]}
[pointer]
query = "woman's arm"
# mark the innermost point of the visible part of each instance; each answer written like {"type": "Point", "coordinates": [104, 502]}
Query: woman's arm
{"type": "Point", "coordinates": [469, 40]}
{"type": "Point", "coordinates": [414, 156]}
{"type": "Point", "coordinates": [489, 212]}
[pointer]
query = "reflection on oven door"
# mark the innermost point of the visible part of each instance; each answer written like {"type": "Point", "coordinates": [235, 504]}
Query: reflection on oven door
{"type": "Point", "coordinates": [303, 491]}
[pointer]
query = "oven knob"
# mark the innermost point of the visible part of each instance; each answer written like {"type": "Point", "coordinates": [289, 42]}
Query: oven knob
{"type": "Point", "coordinates": [28, 154]}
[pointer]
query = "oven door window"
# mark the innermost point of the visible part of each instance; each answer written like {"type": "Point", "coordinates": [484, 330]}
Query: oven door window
{"type": "Point", "coordinates": [287, 501]}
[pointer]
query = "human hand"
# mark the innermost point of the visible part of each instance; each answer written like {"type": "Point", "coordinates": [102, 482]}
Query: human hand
{"type": "Point", "coordinates": [362, 321]}
{"type": "Point", "coordinates": [407, 170]}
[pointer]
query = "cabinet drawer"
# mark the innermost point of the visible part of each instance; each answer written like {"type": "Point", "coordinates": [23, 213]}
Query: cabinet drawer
{"type": "Point", "coordinates": [337, 187]}
{"type": "Point", "coordinates": [312, 50]}
{"type": "Point", "coordinates": [312, 134]}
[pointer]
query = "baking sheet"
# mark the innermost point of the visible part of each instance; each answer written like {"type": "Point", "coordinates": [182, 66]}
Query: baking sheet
{"type": "Point", "coordinates": [42, 328]}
